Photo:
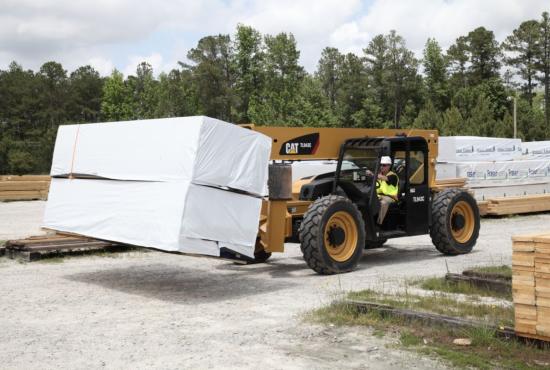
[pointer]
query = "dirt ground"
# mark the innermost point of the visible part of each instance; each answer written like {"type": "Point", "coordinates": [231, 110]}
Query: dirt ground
{"type": "Point", "coordinates": [156, 310]}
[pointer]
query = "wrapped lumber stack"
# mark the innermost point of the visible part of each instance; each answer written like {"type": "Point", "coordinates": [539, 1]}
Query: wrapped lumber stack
{"type": "Point", "coordinates": [28, 187]}
{"type": "Point", "coordinates": [190, 184]}
{"type": "Point", "coordinates": [531, 285]}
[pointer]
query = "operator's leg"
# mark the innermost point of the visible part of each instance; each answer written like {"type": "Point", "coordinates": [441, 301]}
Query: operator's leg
{"type": "Point", "coordinates": [385, 202]}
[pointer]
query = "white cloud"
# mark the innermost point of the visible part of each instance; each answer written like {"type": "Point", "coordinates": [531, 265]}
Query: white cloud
{"type": "Point", "coordinates": [102, 65]}
{"type": "Point", "coordinates": [155, 60]}
{"type": "Point", "coordinates": [116, 33]}
{"type": "Point", "coordinates": [445, 20]}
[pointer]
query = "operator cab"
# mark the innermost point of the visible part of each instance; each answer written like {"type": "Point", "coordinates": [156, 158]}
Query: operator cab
{"type": "Point", "coordinates": [356, 178]}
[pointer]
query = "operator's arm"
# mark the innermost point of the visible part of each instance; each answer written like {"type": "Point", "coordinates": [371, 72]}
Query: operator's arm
{"type": "Point", "coordinates": [392, 179]}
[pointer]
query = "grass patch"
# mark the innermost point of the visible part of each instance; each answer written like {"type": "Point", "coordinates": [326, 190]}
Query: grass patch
{"type": "Point", "coordinates": [408, 338]}
{"type": "Point", "coordinates": [503, 270]}
{"type": "Point", "coordinates": [51, 260]}
{"type": "Point", "coordinates": [441, 304]}
{"type": "Point", "coordinates": [461, 287]}
{"type": "Point", "coordinates": [485, 352]}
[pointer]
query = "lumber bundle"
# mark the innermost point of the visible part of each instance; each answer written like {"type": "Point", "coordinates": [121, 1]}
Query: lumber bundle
{"type": "Point", "coordinates": [38, 247]}
{"type": "Point", "coordinates": [441, 184]}
{"type": "Point", "coordinates": [520, 204]}
{"type": "Point", "coordinates": [531, 285]}
{"type": "Point", "coordinates": [482, 206]}
{"type": "Point", "coordinates": [27, 187]}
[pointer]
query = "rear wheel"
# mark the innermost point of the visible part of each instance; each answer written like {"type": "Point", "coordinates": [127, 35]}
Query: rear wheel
{"type": "Point", "coordinates": [455, 222]}
{"type": "Point", "coordinates": [332, 235]}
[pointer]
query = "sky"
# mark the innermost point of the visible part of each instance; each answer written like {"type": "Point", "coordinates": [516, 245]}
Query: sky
{"type": "Point", "coordinates": [120, 34]}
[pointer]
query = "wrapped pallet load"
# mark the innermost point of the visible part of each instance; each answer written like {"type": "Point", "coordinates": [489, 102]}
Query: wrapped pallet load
{"type": "Point", "coordinates": [536, 149]}
{"type": "Point", "coordinates": [191, 185]}
{"type": "Point", "coordinates": [477, 148]}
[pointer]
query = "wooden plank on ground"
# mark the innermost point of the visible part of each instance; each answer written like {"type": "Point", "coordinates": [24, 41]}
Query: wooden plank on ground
{"type": "Point", "coordinates": [498, 285]}
{"type": "Point", "coordinates": [38, 247]}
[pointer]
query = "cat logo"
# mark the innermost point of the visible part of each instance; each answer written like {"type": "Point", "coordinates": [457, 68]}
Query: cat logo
{"type": "Point", "coordinates": [302, 145]}
{"type": "Point", "coordinates": [291, 148]}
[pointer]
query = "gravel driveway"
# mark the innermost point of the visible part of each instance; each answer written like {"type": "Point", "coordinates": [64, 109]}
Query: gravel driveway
{"type": "Point", "coordinates": [156, 310]}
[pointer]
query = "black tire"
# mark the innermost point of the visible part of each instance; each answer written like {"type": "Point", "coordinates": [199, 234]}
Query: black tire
{"type": "Point", "coordinates": [446, 223]}
{"type": "Point", "coordinates": [376, 244]}
{"type": "Point", "coordinates": [312, 235]}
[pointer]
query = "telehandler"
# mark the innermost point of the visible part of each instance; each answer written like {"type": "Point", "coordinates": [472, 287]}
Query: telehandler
{"type": "Point", "coordinates": [333, 215]}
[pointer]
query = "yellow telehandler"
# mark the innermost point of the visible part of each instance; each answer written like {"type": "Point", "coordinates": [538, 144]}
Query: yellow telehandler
{"type": "Point", "coordinates": [333, 215]}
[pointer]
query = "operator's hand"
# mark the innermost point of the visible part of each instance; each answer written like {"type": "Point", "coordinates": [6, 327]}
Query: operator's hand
{"type": "Point", "coordinates": [368, 173]}
{"type": "Point", "coordinates": [382, 177]}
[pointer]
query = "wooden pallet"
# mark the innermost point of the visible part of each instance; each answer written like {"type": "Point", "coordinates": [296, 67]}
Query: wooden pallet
{"type": "Point", "coordinates": [39, 247]}
{"type": "Point", "coordinates": [531, 285]}
{"type": "Point", "coordinates": [28, 187]}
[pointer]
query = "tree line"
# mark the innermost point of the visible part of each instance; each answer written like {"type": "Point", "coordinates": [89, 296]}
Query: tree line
{"type": "Point", "coordinates": [467, 89]}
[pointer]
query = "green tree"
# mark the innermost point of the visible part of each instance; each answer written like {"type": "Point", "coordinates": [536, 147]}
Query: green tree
{"type": "Point", "coordinates": [481, 121]}
{"type": "Point", "coordinates": [458, 57]}
{"type": "Point", "coordinates": [452, 122]}
{"type": "Point", "coordinates": [144, 91]}
{"type": "Point", "coordinates": [394, 71]}
{"type": "Point", "coordinates": [543, 63]}
{"type": "Point", "coordinates": [314, 106]}
{"type": "Point", "coordinates": [429, 118]}
{"type": "Point", "coordinates": [278, 103]}
{"type": "Point", "coordinates": [20, 161]}
{"type": "Point", "coordinates": [329, 70]}
{"type": "Point", "coordinates": [85, 90]}
{"type": "Point", "coordinates": [435, 68]}
{"type": "Point", "coordinates": [177, 95]}
{"type": "Point", "coordinates": [484, 53]}
{"type": "Point", "coordinates": [351, 93]}
{"type": "Point", "coordinates": [54, 95]}
{"type": "Point", "coordinates": [523, 46]}
{"type": "Point", "coordinates": [249, 69]}
{"type": "Point", "coordinates": [214, 75]}
{"type": "Point", "coordinates": [117, 104]}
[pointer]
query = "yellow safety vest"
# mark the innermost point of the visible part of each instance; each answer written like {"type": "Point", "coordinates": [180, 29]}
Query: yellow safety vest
{"type": "Point", "coordinates": [386, 189]}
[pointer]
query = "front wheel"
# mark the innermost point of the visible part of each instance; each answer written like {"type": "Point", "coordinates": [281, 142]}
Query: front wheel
{"type": "Point", "coordinates": [332, 235]}
{"type": "Point", "coordinates": [455, 222]}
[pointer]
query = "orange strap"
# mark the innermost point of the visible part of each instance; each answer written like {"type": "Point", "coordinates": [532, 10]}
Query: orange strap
{"type": "Point", "coordinates": [74, 152]}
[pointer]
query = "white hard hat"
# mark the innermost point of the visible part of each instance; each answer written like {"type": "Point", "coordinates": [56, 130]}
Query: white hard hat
{"type": "Point", "coordinates": [385, 160]}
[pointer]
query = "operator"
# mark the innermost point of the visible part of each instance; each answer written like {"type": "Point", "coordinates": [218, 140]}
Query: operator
{"type": "Point", "coordinates": [386, 187]}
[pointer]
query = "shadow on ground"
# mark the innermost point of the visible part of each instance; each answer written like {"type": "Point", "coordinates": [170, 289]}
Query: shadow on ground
{"type": "Point", "coordinates": [180, 285]}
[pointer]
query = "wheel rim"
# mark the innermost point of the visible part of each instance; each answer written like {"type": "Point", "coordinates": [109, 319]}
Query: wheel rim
{"type": "Point", "coordinates": [462, 222]}
{"type": "Point", "coordinates": [340, 236]}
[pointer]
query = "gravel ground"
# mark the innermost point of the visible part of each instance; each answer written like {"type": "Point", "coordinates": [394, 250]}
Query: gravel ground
{"type": "Point", "coordinates": [156, 310]}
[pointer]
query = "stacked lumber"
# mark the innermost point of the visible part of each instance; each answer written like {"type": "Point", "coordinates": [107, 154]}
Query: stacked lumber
{"type": "Point", "coordinates": [27, 187]}
{"type": "Point", "coordinates": [531, 285]}
{"type": "Point", "coordinates": [38, 247]}
{"type": "Point", "coordinates": [441, 184]}
{"type": "Point", "coordinates": [482, 206]}
{"type": "Point", "coordinates": [520, 204]}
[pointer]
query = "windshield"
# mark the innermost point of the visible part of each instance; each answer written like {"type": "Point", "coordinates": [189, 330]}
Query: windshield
{"type": "Point", "coordinates": [360, 163]}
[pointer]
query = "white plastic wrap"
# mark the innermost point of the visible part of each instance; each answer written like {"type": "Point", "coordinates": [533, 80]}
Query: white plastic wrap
{"type": "Point", "coordinates": [505, 173]}
{"type": "Point", "coordinates": [445, 170]}
{"type": "Point", "coordinates": [140, 213]}
{"type": "Point", "coordinates": [475, 148]}
{"type": "Point", "coordinates": [171, 216]}
{"type": "Point", "coordinates": [536, 149]}
{"type": "Point", "coordinates": [199, 149]}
